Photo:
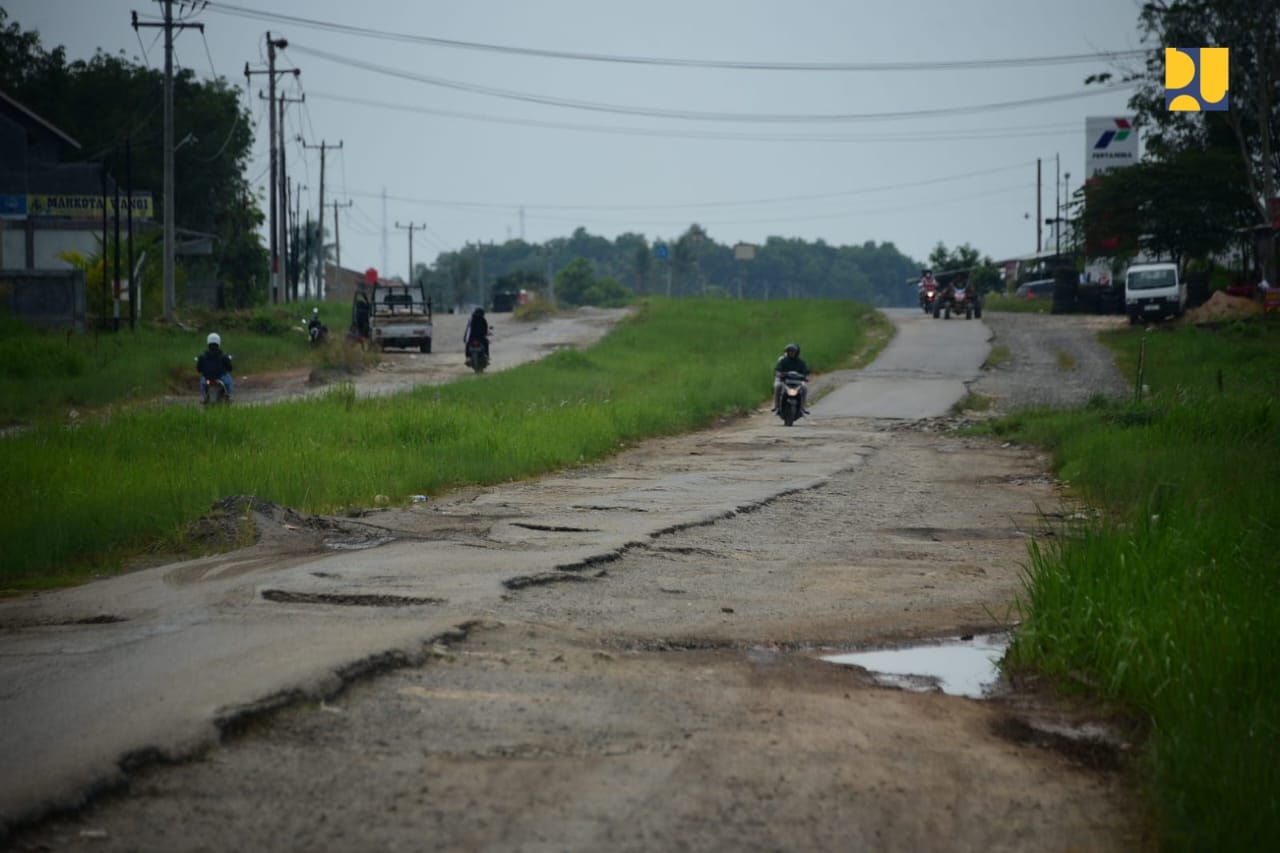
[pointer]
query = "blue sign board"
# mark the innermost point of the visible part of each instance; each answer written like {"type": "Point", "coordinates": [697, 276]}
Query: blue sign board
{"type": "Point", "coordinates": [661, 251]}
{"type": "Point", "coordinates": [13, 207]}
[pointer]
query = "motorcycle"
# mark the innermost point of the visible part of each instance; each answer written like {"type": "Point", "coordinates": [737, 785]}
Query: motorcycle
{"type": "Point", "coordinates": [790, 409]}
{"type": "Point", "coordinates": [213, 390]}
{"type": "Point", "coordinates": [966, 302]}
{"type": "Point", "coordinates": [944, 302]}
{"type": "Point", "coordinates": [317, 333]}
{"type": "Point", "coordinates": [477, 358]}
{"type": "Point", "coordinates": [928, 293]}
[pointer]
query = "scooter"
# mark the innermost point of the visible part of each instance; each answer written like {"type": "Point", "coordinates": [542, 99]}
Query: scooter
{"type": "Point", "coordinates": [790, 409]}
{"type": "Point", "coordinates": [928, 293]}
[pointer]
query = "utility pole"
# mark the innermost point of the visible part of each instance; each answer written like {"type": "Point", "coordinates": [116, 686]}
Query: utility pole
{"type": "Point", "coordinates": [411, 227]}
{"type": "Point", "coordinates": [273, 227]}
{"type": "Point", "coordinates": [1039, 210]}
{"type": "Point", "coordinates": [284, 189]}
{"type": "Point", "coordinates": [323, 146]}
{"type": "Point", "coordinates": [170, 235]}
{"type": "Point", "coordinates": [337, 248]}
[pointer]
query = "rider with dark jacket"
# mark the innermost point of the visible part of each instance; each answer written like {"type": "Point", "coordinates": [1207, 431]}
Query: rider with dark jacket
{"type": "Point", "coordinates": [213, 363]}
{"type": "Point", "coordinates": [477, 329]}
{"type": "Point", "coordinates": [789, 362]}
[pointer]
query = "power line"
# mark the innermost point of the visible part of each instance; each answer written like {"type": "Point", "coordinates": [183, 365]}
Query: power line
{"type": "Point", "coordinates": [742, 65]}
{"type": "Point", "coordinates": [790, 139]}
{"type": "Point", "coordinates": [486, 206]}
{"type": "Point", "coordinates": [690, 115]}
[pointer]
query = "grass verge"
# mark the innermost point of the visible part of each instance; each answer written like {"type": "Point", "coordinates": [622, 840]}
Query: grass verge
{"type": "Point", "coordinates": [1168, 605]}
{"type": "Point", "coordinates": [80, 500]}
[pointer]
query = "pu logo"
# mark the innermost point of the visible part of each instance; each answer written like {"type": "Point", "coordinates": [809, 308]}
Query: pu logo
{"type": "Point", "coordinates": [1120, 134]}
{"type": "Point", "coordinates": [1195, 79]}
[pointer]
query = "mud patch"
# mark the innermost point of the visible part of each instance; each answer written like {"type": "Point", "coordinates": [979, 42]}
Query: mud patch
{"type": "Point", "coordinates": [281, 596]}
{"type": "Point", "coordinates": [1087, 746]}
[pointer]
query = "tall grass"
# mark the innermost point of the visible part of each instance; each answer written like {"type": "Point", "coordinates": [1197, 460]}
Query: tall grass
{"type": "Point", "coordinates": [1168, 605]}
{"type": "Point", "coordinates": [79, 499]}
{"type": "Point", "coordinates": [44, 374]}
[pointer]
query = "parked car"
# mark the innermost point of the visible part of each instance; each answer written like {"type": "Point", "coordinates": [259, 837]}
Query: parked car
{"type": "Point", "coordinates": [1042, 289]}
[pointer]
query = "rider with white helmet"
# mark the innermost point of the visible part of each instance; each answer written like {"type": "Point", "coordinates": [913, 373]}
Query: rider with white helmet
{"type": "Point", "coordinates": [213, 363]}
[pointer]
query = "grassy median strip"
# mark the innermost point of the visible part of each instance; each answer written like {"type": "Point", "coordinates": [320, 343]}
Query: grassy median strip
{"type": "Point", "coordinates": [80, 499]}
{"type": "Point", "coordinates": [1167, 604]}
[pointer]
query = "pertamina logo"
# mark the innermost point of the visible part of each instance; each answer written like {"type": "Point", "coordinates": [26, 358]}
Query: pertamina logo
{"type": "Point", "coordinates": [1120, 134]}
{"type": "Point", "coordinates": [1195, 79]}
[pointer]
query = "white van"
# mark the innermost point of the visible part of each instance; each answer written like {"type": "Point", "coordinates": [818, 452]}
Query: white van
{"type": "Point", "coordinates": [1154, 291]}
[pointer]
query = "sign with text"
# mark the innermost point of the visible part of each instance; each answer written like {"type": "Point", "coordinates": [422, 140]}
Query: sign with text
{"type": "Point", "coordinates": [1110, 143]}
{"type": "Point", "coordinates": [87, 206]}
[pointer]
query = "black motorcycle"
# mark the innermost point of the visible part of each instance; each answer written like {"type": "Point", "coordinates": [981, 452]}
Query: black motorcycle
{"type": "Point", "coordinates": [790, 409]}
{"type": "Point", "coordinates": [477, 357]}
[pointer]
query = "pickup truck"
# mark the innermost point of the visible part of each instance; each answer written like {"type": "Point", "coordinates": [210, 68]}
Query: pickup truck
{"type": "Point", "coordinates": [392, 315]}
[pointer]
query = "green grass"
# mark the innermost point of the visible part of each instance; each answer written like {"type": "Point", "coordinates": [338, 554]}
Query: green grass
{"type": "Point", "coordinates": [81, 500]}
{"type": "Point", "coordinates": [44, 375]}
{"type": "Point", "coordinates": [1168, 605]}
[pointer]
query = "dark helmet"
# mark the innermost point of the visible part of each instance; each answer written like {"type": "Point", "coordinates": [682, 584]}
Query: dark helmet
{"type": "Point", "coordinates": [479, 312]}
{"type": "Point", "coordinates": [792, 348]}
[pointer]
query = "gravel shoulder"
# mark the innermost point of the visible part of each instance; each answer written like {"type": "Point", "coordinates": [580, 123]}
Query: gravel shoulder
{"type": "Point", "coordinates": [669, 693]}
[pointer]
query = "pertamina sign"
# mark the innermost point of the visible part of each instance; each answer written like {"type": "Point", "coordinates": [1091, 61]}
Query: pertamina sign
{"type": "Point", "coordinates": [87, 206]}
{"type": "Point", "coordinates": [1110, 143]}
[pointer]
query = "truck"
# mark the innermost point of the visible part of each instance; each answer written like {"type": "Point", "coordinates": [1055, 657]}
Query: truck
{"type": "Point", "coordinates": [392, 314]}
{"type": "Point", "coordinates": [1154, 291]}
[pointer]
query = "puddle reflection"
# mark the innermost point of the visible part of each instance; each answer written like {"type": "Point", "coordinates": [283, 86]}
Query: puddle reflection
{"type": "Point", "coordinates": [956, 667]}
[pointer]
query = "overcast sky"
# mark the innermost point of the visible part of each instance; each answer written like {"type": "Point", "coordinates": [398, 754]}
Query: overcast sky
{"type": "Point", "coordinates": [492, 150]}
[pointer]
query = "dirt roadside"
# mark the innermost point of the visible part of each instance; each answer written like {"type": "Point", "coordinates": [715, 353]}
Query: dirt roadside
{"type": "Point", "coordinates": [672, 696]}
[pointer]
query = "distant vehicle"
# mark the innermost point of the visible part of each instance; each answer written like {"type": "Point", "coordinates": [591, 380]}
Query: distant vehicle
{"type": "Point", "coordinates": [1154, 291]}
{"type": "Point", "coordinates": [1042, 289]}
{"type": "Point", "coordinates": [392, 315]}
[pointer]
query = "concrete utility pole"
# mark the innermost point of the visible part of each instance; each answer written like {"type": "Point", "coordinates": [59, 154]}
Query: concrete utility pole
{"type": "Point", "coordinates": [284, 190]}
{"type": "Point", "coordinates": [323, 146]}
{"type": "Point", "coordinates": [337, 249]}
{"type": "Point", "coordinates": [170, 230]}
{"type": "Point", "coordinates": [411, 227]}
{"type": "Point", "coordinates": [272, 225]}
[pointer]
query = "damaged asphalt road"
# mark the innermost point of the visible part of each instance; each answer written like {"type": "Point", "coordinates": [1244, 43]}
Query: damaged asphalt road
{"type": "Point", "coordinates": [622, 654]}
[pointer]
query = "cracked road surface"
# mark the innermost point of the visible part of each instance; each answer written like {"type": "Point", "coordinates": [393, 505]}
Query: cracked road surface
{"type": "Point", "coordinates": [624, 655]}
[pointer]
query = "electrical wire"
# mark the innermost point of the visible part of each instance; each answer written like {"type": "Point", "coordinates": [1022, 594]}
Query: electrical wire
{"type": "Point", "coordinates": [878, 67]}
{"type": "Point", "coordinates": [689, 115]}
{"type": "Point", "coordinates": [488, 206]}
{"type": "Point", "coordinates": [674, 133]}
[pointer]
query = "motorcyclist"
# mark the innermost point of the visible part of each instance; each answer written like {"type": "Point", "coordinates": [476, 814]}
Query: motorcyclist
{"type": "Point", "coordinates": [789, 362]}
{"type": "Point", "coordinates": [926, 283]}
{"type": "Point", "coordinates": [316, 330]}
{"type": "Point", "coordinates": [477, 329]}
{"type": "Point", "coordinates": [213, 363]}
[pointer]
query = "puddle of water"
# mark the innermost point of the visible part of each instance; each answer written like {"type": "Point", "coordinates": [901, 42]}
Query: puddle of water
{"type": "Point", "coordinates": [956, 667]}
{"type": "Point", "coordinates": [363, 545]}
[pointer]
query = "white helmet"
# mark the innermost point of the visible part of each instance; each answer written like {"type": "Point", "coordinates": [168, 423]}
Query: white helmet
{"type": "Point", "coordinates": [213, 339]}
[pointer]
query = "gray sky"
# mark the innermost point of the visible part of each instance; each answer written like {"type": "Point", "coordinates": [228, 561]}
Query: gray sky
{"type": "Point", "coordinates": [796, 153]}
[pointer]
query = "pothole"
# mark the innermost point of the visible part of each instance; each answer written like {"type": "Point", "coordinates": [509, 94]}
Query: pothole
{"type": "Point", "coordinates": [281, 596]}
{"type": "Point", "coordinates": [548, 578]}
{"type": "Point", "coordinates": [964, 666]}
{"type": "Point", "coordinates": [551, 528]}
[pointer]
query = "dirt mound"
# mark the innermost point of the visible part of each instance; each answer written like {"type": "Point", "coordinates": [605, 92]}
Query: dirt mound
{"type": "Point", "coordinates": [1222, 306]}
